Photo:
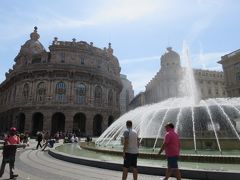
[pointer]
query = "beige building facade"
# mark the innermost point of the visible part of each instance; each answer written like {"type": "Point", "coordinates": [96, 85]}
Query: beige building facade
{"type": "Point", "coordinates": [73, 86]}
{"type": "Point", "coordinates": [211, 84]}
{"type": "Point", "coordinates": [166, 82]}
{"type": "Point", "coordinates": [231, 68]}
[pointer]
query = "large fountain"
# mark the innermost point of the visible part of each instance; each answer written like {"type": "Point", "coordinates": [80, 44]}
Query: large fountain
{"type": "Point", "coordinates": [211, 125]}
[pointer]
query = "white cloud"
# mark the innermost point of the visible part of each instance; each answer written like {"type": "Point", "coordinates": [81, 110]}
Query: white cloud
{"type": "Point", "coordinates": [210, 11]}
{"type": "Point", "coordinates": [124, 11]}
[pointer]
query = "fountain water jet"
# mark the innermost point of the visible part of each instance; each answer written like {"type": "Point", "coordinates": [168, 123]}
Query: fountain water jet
{"type": "Point", "coordinates": [195, 115]}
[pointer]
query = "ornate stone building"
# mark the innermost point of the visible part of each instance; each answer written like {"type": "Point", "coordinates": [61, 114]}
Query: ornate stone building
{"type": "Point", "coordinates": [231, 68]}
{"type": "Point", "coordinates": [73, 86]}
{"type": "Point", "coordinates": [211, 84]}
{"type": "Point", "coordinates": [126, 95]}
{"type": "Point", "coordinates": [167, 81]}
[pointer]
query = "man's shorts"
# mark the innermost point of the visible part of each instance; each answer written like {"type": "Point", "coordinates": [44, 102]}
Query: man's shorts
{"type": "Point", "coordinates": [130, 160]}
{"type": "Point", "coordinates": [172, 162]}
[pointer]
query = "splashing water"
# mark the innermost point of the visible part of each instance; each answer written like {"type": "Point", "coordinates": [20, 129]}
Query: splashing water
{"type": "Point", "coordinates": [202, 124]}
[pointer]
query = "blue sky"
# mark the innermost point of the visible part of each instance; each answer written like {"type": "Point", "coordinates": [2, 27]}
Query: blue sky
{"type": "Point", "coordinates": [139, 30]}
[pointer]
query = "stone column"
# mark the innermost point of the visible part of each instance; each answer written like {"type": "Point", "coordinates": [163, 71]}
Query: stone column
{"type": "Point", "coordinates": [69, 120]}
{"type": "Point", "coordinates": [89, 123]}
{"type": "Point", "coordinates": [52, 91]}
{"type": "Point", "coordinates": [47, 121]}
{"type": "Point", "coordinates": [28, 121]}
{"type": "Point", "coordinates": [72, 94]}
{"type": "Point", "coordinates": [68, 93]}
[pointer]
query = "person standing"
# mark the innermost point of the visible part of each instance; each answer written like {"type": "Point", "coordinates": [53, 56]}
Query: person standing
{"type": "Point", "coordinates": [9, 152]}
{"type": "Point", "coordinates": [39, 139]}
{"type": "Point", "coordinates": [46, 139]}
{"type": "Point", "coordinates": [130, 151]}
{"type": "Point", "coordinates": [171, 145]}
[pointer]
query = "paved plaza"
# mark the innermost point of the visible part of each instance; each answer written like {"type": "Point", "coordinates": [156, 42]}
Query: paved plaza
{"type": "Point", "coordinates": [38, 165]}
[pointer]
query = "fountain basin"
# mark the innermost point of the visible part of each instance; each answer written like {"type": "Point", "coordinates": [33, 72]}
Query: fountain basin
{"type": "Point", "coordinates": [201, 143]}
{"type": "Point", "coordinates": [192, 170]}
{"type": "Point", "coordinates": [214, 157]}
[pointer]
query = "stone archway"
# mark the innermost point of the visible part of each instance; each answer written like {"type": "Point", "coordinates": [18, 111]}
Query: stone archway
{"type": "Point", "coordinates": [37, 122]}
{"type": "Point", "coordinates": [97, 125]}
{"type": "Point", "coordinates": [58, 122]}
{"type": "Point", "coordinates": [79, 123]}
{"type": "Point", "coordinates": [20, 122]}
{"type": "Point", "coordinates": [110, 120]}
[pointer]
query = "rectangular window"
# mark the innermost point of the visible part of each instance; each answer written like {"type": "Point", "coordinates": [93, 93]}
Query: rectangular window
{"type": "Point", "coordinates": [237, 71]}
{"type": "Point", "coordinates": [82, 60]}
{"type": "Point", "coordinates": [60, 98]}
{"type": "Point", "coordinates": [80, 99]}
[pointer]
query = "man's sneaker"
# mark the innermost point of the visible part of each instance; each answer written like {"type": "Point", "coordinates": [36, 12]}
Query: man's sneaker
{"type": "Point", "coordinates": [13, 176]}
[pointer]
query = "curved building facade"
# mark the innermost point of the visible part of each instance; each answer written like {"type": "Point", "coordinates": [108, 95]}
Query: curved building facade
{"type": "Point", "coordinates": [73, 86]}
{"type": "Point", "coordinates": [166, 82]}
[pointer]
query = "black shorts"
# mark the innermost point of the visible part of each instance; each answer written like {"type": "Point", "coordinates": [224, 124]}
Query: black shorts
{"type": "Point", "coordinates": [172, 162]}
{"type": "Point", "coordinates": [130, 160]}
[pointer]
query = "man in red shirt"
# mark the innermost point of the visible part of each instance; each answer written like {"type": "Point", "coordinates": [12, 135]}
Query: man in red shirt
{"type": "Point", "coordinates": [9, 152]}
{"type": "Point", "coordinates": [171, 145]}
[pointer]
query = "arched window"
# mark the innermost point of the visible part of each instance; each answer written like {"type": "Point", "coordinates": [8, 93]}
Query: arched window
{"type": "Point", "coordinates": [62, 56]}
{"type": "Point", "coordinates": [60, 92]}
{"type": "Point", "coordinates": [98, 94]}
{"type": "Point", "coordinates": [41, 92]}
{"type": "Point", "coordinates": [110, 97]}
{"type": "Point", "coordinates": [25, 91]}
{"type": "Point", "coordinates": [80, 93]}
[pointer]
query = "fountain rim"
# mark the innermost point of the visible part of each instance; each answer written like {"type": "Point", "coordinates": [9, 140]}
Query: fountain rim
{"type": "Point", "coordinates": [183, 157]}
{"type": "Point", "coordinates": [153, 170]}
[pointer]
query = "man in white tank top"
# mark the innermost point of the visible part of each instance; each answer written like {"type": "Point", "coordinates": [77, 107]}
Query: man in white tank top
{"type": "Point", "coordinates": [130, 151]}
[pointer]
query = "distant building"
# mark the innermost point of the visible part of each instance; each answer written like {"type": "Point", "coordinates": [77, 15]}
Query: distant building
{"type": "Point", "coordinates": [231, 68]}
{"type": "Point", "coordinates": [74, 86]}
{"type": "Point", "coordinates": [138, 100]}
{"type": "Point", "coordinates": [126, 95]}
{"type": "Point", "coordinates": [167, 82]}
{"type": "Point", "coordinates": [211, 84]}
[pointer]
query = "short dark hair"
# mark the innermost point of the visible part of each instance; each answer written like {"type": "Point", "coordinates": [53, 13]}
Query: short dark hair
{"type": "Point", "coordinates": [129, 123]}
{"type": "Point", "coordinates": [170, 125]}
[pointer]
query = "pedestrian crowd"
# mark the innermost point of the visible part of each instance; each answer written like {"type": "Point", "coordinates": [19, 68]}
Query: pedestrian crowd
{"type": "Point", "coordinates": [13, 140]}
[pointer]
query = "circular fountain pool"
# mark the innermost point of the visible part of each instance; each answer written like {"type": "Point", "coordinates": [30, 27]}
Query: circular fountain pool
{"type": "Point", "coordinates": [76, 150]}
